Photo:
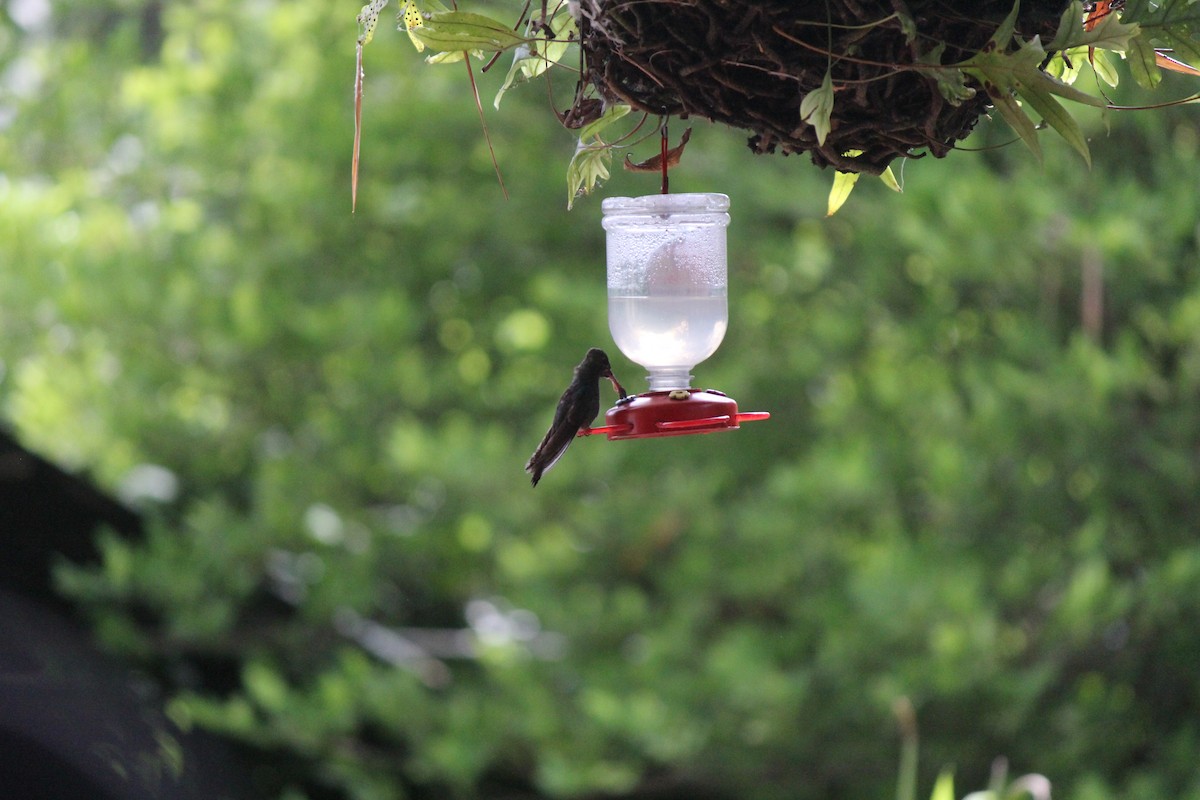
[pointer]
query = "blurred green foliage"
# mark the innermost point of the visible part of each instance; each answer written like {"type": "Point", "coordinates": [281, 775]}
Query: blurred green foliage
{"type": "Point", "coordinates": [971, 493]}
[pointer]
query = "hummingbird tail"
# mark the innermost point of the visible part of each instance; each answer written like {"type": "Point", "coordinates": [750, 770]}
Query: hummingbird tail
{"type": "Point", "coordinates": [548, 453]}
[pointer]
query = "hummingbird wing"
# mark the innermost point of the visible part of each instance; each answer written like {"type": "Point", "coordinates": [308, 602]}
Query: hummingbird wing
{"type": "Point", "coordinates": [556, 441]}
{"type": "Point", "coordinates": [577, 407]}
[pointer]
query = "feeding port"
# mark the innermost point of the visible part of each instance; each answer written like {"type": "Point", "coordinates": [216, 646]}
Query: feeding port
{"type": "Point", "coordinates": [668, 310]}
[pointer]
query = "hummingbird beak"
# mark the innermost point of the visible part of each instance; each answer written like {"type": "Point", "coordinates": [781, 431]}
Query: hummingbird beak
{"type": "Point", "coordinates": [617, 387]}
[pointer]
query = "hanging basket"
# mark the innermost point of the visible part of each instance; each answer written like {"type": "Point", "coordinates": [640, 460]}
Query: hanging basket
{"type": "Point", "coordinates": [750, 63]}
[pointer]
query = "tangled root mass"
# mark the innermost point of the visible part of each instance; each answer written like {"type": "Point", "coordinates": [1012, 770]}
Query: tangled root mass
{"type": "Point", "coordinates": [749, 64]}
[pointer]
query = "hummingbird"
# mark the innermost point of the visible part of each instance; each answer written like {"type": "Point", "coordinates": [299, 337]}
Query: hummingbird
{"type": "Point", "coordinates": [577, 408]}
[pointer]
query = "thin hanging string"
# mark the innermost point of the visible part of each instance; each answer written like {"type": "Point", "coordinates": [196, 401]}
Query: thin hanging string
{"type": "Point", "coordinates": [664, 156]}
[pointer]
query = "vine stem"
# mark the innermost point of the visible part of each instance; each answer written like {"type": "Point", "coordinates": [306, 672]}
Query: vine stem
{"type": "Point", "coordinates": [1193, 98]}
{"type": "Point", "coordinates": [483, 123]}
{"type": "Point", "coordinates": [358, 95]}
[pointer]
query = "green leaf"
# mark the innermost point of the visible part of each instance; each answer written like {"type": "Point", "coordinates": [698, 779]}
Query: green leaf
{"type": "Point", "coordinates": [998, 71]}
{"type": "Point", "coordinates": [1022, 68]}
{"type": "Point", "coordinates": [908, 25]}
{"type": "Point", "coordinates": [1003, 69]}
{"type": "Point", "coordinates": [1142, 62]}
{"type": "Point", "coordinates": [1018, 120]}
{"type": "Point", "coordinates": [1136, 10]}
{"type": "Point", "coordinates": [533, 58]}
{"type": "Point", "coordinates": [843, 184]}
{"type": "Point", "coordinates": [952, 84]}
{"type": "Point", "coordinates": [1052, 85]}
{"type": "Point", "coordinates": [1018, 73]}
{"type": "Point", "coordinates": [1162, 14]}
{"type": "Point", "coordinates": [1068, 26]}
{"type": "Point", "coordinates": [592, 156]}
{"type": "Point", "coordinates": [1004, 33]}
{"type": "Point", "coordinates": [1112, 33]}
{"type": "Point", "coordinates": [265, 686]}
{"type": "Point", "coordinates": [463, 30]}
{"type": "Point", "coordinates": [817, 107]}
{"type": "Point", "coordinates": [1169, 23]}
{"type": "Point", "coordinates": [1184, 45]}
{"type": "Point", "coordinates": [951, 80]}
{"type": "Point", "coordinates": [1102, 65]}
{"type": "Point", "coordinates": [588, 167]}
{"type": "Point", "coordinates": [1058, 118]}
{"type": "Point", "coordinates": [522, 69]}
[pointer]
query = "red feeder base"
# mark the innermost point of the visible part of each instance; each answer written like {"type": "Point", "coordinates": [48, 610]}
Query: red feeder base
{"type": "Point", "coordinates": [676, 413]}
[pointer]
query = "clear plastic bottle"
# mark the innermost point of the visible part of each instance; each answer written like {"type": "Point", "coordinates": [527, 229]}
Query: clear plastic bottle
{"type": "Point", "coordinates": [667, 281]}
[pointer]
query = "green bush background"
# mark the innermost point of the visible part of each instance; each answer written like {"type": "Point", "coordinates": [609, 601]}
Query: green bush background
{"type": "Point", "coordinates": [965, 496]}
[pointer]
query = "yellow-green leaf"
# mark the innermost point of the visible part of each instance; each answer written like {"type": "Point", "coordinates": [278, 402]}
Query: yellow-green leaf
{"type": "Point", "coordinates": [944, 788]}
{"type": "Point", "coordinates": [453, 57]}
{"type": "Point", "coordinates": [368, 18]}
{"type": "Point", "coordinates": [889, 180]}
{"type": "Point", "coordinates": [411, 19]}
{"type": "Point", "coordinates": [610, 115]}
{"type": "Point", "coordinates": [1058, 66]}
{"type": "Point", "coordinates": [843, 185]}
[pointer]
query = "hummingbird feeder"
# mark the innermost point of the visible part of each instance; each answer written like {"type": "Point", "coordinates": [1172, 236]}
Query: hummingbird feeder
{"type": "Point", "coordinates": [668, 311]}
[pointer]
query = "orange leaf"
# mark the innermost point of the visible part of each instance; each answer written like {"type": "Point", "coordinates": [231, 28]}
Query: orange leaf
{"type": "Point", "coordinates": [1167, 62]}
{"type": "Point", "coordinates": [655, 163]}
{"type": "Point", "coordinates": [1099, 11]}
